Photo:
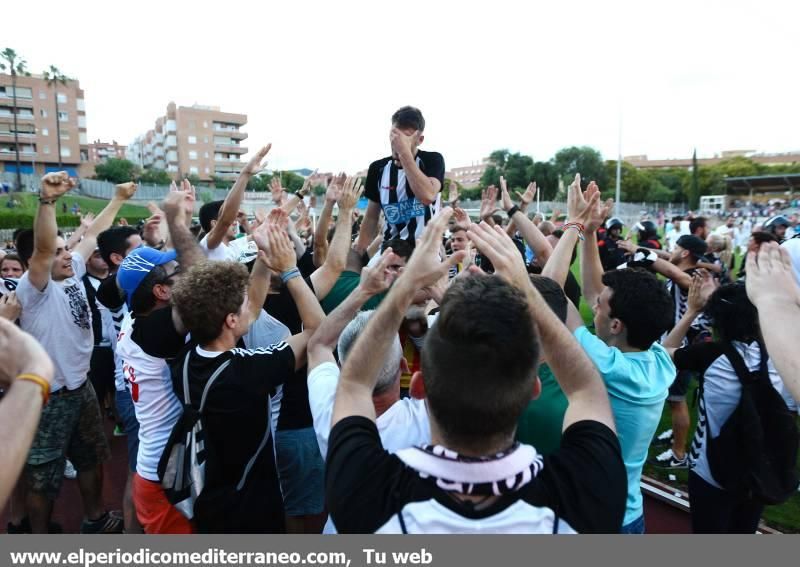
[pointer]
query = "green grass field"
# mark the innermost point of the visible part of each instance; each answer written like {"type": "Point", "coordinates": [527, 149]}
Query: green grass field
{"type": "Point", "coordinates": [785, 518]}
{"type": "Point", "coordinates": [87, 204]}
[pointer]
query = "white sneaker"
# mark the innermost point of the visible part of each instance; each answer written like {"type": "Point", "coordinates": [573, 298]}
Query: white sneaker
{"type": "Point", "coordinates": [665, 435]}
{"type": "Point", "coordinates": [667, 460]}
{"type": "Point", "coordinates": [69, 471]}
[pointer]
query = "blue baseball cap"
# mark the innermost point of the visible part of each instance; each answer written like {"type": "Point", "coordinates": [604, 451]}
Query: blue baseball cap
{"type": "Point", "coordinates": [137, 265]}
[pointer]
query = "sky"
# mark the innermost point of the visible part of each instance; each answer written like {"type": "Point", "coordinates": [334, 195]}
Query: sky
{"type": "Point", "coordinates": [321, 79]}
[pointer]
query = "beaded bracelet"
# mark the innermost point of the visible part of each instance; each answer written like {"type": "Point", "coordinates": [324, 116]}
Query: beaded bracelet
{"type": "Point", "coordinates": [576, 225]}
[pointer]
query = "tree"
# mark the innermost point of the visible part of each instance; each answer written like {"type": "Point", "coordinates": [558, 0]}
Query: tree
{"type": "Point", "coordinates": [546, 177]}
{"type": "Point", "coordinates": [584, 160]}
{"type": "Point", "coordinates": [155, 177]}
{"type": "Point", "coordinates": [516, 168]}
{"type": "Point", "coordinates": [54, 77]}
{"type": "Point", "coordinates": [739, 166]}
{"type": "Point", "coordinates": [117, 170]}
{"type": "Point", "coordinates": [491, 176]}
{"type": "Point", "coordinates": [16, 66]}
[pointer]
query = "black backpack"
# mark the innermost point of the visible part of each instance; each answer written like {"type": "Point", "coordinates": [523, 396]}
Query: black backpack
{"type": "Point", "coordinates": [187, 454]}
{"type": "Point", "coordinates": [755, 452]}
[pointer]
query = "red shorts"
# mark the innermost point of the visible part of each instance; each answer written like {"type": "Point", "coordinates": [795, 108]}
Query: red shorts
{"type": "Point", "coordinates": [156, 514]}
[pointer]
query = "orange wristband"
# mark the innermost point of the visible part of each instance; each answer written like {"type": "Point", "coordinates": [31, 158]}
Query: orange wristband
{"type": "Point", "coordinates": [43, 384]}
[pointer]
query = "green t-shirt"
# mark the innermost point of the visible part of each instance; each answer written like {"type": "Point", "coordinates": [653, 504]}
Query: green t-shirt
{"type": "Point", "coordinates": [541, 423]}
{"type": "Point", "coordinates": [343, 287]}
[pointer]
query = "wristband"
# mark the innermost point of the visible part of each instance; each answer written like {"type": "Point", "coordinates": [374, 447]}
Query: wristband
{"type": "Point", "coordinates": [47, 201]}
{"type": "Point", "coordinates": [290, 274]}
{"type": "Point", "coordinates": [510, 212]}
{"type": "Point", "coordinates": [43, 384]}
{"type": "Point", "coordinates": [576, 225]}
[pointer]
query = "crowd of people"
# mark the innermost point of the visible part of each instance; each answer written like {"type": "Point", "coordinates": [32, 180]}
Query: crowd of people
{"type": "Point", "coordinates": [412, 371]}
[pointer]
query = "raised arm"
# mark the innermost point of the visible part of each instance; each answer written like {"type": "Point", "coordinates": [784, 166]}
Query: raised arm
{"type": "Point", "coordinates": [233, 200]}
{"type": "Point", "coordinates": [105, 219]}
{"type": "Point", "coordinates": [86, 220]}
{"type": "Point", "coordinates": [332, 194]}
{"type": "Point", "coordinates": [524, 200]}
{"type": "Point", "coordinates": [177, 206]}
{"type": "Point", "coordinates": [425, 188]}
{"type": "Point", "coordinates": [374, 280]}
{"type": "Point", "coordinates": [282, 260]}
{"type": "Point", "coordinates": [360, 370]}
{"type": "Point", "coordinates": [45, 229]}
{"type": "Point", "coordinates": [591, 266]}
{"type": "Point", "coordinates": [575, 372]}
{"type": "Point", "coordinates": [773, 290]}
{"type": "Point", "coordinates": [579, 210]}
{"type": "Point", "coordinates": [324, 277]}
{"type": "Point", "coordinates": [369, 226]}
{"type": "Point", "coordinates": [532, 235]}
{"type": "Point", "coordinates": [703, 285]}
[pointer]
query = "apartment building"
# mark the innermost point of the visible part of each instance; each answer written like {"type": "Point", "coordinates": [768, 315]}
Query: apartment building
{"type": "Point", "coordinates": [98, 152]}
{"type": "Point", "coordinates": [469, 176]}
{"type": "Point", "coordinates": [192, 140]}
{"type": "Point", "coordinates": [786, 158]}
{"type": "Point", "coordinates": [39, 127]}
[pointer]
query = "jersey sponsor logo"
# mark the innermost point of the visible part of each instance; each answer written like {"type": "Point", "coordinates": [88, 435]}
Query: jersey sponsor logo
{"type": "Point", "coordinates": [78, 306]}
{"type": "Point", "coordinates": [403, 211]}
{"type": "Point", "coordinates": [129, 374]}
{"type": "Point", "coordinates": [8, 286]}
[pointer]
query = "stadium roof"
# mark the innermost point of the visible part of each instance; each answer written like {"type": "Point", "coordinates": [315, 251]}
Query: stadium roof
{"type": "Point", "coordinates": [764, 183]}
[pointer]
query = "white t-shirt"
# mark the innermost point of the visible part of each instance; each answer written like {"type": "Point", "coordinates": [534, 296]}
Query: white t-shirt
{"type": "Point", "coordinates": [793, 247]}
{"type": "Point", "coordinates": [60, 319]}
{"type": "Point", "coordinates": [403, 425]}
{"type": "Point", "coordinates": [672, 236]}
{"type": "Point", "coordinates": [234, 252]}
{"type": "Point", "coordinates": [154, 401]}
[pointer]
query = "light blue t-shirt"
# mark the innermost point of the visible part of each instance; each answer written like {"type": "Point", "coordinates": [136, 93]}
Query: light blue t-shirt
{"type": "Point", "coordinates": [637, 384]}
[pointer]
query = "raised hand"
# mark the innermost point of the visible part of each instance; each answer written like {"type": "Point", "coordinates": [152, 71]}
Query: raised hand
{"type": "Point", "coordinates": [488, 202]}
{"type": "Point", "coordinates": [627, 246]}
{"type": "Point", "coordinates": [255, 165]}
{"type": "Point", "coordinates": [276, 188]}
{"type": "Point", "coordinates": [351, 193]}
{"type": "Point", "coordinates": [526, 198]}
{"type": "Point", "coordinates": [452, 196]}
{"type": "Point", "coordinates": [54, 185]}
{"type": "Point", "coordinates": [770, 276]}
{"type": "Point", "coordinates": [151, 231]}
{"type": "Point", "coordinates": [462, 218]}
{"type": "Point", "coordinates": [334, 191]}
{"type": "Point", "coordinates": [402, 143]}
{"type": "Point", "coordinates": [279, 250]}
{"type": "Point", "coordinates": [10, 307]}
{"type": "Point", "coordinates": [506, 198]}
{"type": "Point", "coordinates": [278, 218]}
{"type": "Point", "coordinates": [86, 220]}
{"type": "Point", "coordinates": [126, 191]}
{"type": "Point", "coordinates": [175, 204]}
{"type": "Point", "coordinates": [579, 208]}
{"type": "Point", "coordinates": [495, 244]}
{"type": "Point", "coordinates": [702, 286]}
{"type": "Point", "coordinates": [425, 267]}
{"type": "Point", "coordinates": [379, 278]}
{"type": "Point", "coordinates": [599, 214]}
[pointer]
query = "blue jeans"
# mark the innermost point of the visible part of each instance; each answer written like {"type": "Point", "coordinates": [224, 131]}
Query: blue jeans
{"type": "Point", "coordinates": [127, 414]}
{"type": "Point", "coordinates": [635, 527]}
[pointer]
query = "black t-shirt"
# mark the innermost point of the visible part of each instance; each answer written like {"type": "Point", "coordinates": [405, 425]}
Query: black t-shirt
{"type": "Point", "coordinates": [581, 487]}
{"type": "Point", "coordinates": [109, 295]}
{"type": "Point", "coordinates": [611, 255]}
{"type": "Point", "coordinates": [236, 418]}
{"type": "Point", "coordinates": [295, 411]}
{"type": "Point", "coordinates": [156, 334]}
{"type": "Point", "coordinates": [388, 186]}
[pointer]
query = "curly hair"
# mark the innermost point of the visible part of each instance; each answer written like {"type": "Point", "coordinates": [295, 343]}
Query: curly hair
{"type": "Point", "coordinates": [642, 303]}
{"type": "Point", "coordinates": [207, 294]}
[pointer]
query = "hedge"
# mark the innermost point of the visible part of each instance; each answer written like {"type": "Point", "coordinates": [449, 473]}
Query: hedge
{"type": "Point", "coordinates": [25, 220]}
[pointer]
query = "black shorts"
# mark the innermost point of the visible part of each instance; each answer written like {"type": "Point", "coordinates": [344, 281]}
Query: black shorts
{"type": "Point", "coordinates": [680, 387]}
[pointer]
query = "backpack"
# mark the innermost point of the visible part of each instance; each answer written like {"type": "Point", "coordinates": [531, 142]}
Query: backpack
{"type": "Point", "coordinates": [182, 467]}
{"type": "Point", "coordinates": [755, 453]}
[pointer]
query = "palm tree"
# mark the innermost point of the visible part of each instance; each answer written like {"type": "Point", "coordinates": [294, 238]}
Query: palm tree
{"type": "Point", "coordinates": [53, 78]}
{"type": "Point", "coordinates": [16, 65]}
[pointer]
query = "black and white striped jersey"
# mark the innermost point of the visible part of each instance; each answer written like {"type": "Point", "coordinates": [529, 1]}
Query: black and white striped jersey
{"type": "Point", "coordinates": [387, 185]}
{"type": "Point", "coordinates": [582, 487]}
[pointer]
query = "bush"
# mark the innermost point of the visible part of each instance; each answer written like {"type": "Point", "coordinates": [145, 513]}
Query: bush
{"type": "Point", "coordinates": [14, 220]}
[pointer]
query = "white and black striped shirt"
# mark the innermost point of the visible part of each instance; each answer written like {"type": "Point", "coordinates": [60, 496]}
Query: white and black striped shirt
{"type": "Point", "coordinates": [387, 185]}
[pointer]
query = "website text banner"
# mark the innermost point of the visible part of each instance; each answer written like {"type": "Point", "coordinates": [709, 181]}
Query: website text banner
{"type": "Point", "coordinates": [391, 551]}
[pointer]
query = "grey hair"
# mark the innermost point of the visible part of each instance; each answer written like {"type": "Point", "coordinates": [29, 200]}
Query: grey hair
{"type": "Point", "coordinates": [388, 373]}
